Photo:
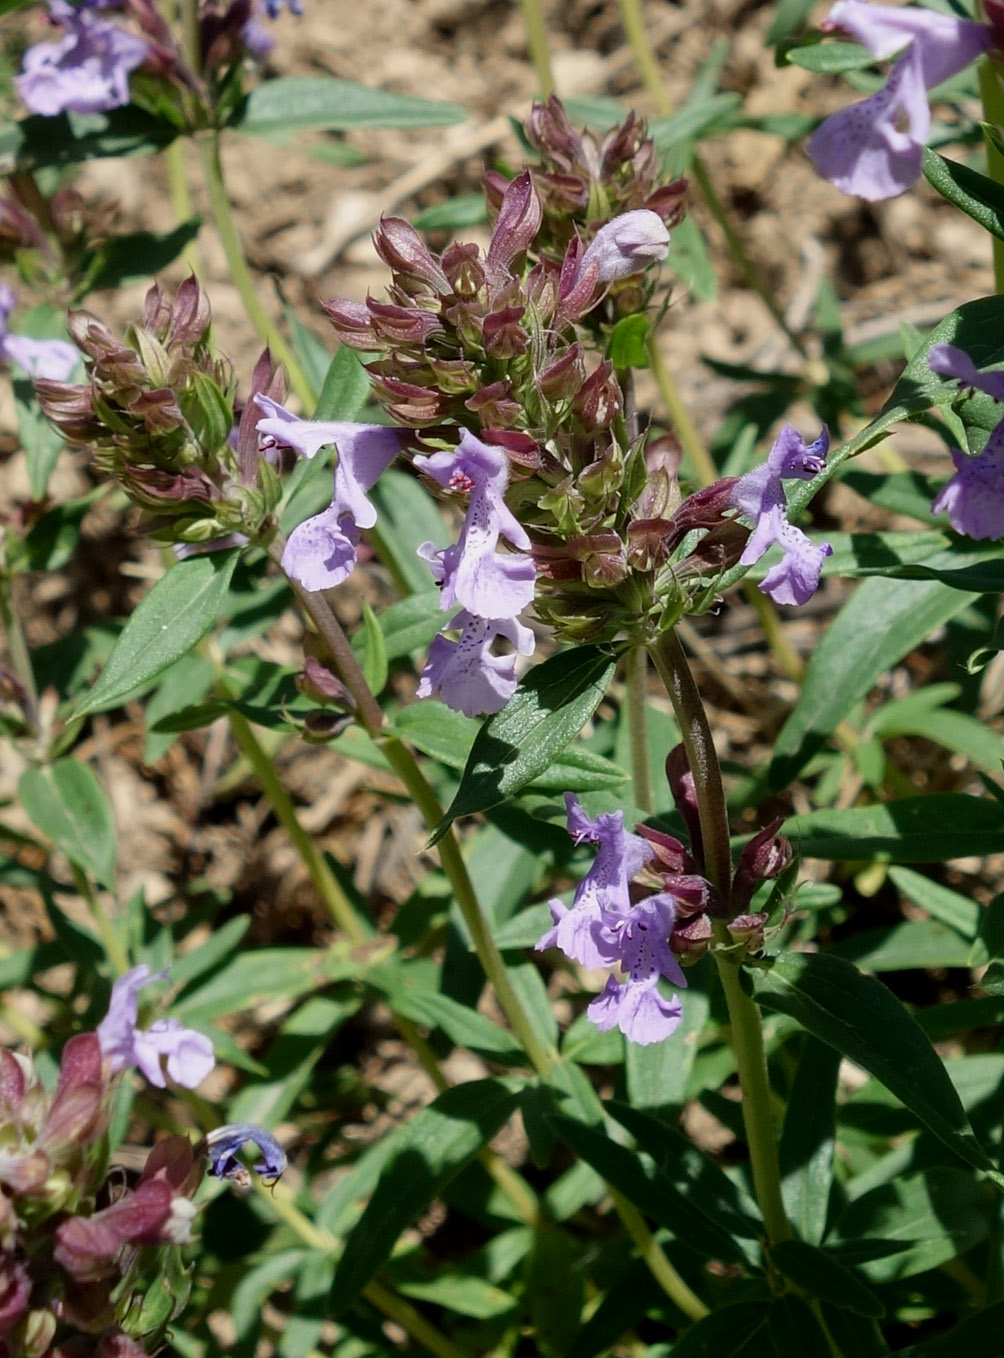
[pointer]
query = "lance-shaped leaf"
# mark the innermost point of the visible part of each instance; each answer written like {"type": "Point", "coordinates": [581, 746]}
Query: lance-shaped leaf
{"type": "Point", "coordinates": [518, 744]}
{"type": "Point", "coordinates": [67, 803]}
{"type": "Point", "coordinates": [865, 1022]}
{"type": "Point", "coordinates": [172, 618]}
{"type": "Point", "coordinates": [432, 1149]}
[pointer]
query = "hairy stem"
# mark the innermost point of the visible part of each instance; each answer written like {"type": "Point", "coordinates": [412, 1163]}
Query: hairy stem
{"type": "Point", "coordinates": [744, 1017]}
{"type": "Point", "coordinates": [226, 226]}
{"type": "Point", "coordinates": [536, 37]}
{"type": "Point", "coordinates": [636, 664]}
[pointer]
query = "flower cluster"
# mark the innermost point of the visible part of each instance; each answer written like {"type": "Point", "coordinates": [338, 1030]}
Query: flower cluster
{"type": "Point", "coordinates": [88, 1266]}
{"type": "Point", "coordinates": [874, 149]}
{"type": "Point", "coordinates": [159, 409]}
{"type": "Point", "coordinates": [645, 907]}
{"type": "Point", "coordinates": [974, 497]}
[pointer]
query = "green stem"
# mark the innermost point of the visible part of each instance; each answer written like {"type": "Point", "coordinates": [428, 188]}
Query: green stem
{"type": "Point", "coordinates": [659, 1266]}
{"type": "Point", "coordinates": [680, 417]}
{"type": "Point", "coordinates": [181, 199]}
{"type": "Point", "coordinates": [226, 226]}
{"type": "Point", "coordinates": [536, 37]}
{"type": "Point", "coordinates": [190, 44]}
{"type": "Point", "coordinates": [280, 1201]}
{"type": "Point", "coordinates": [114, 947]}
{"type": "Point", "coordinates": [992, 95]}
{"type": "Point", "coordinates": [636, 666]}
{"type": "Point", "coordinates": [17, 649]}
{"type": "Point", "coordinates": [328, 887]}
{"type": "Point", "coordinates": [744, 1016]}
{"type": "Point", "coordinates": [634, 30]}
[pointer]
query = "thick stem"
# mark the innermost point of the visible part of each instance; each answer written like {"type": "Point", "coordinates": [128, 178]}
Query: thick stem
{"type": "Point", "coordinates": [328, 888]}
{"type": "Point", "coordinates": [744, 1016]}
{"type": "Point", "coordinates": [636, 666]}
{"type": "Point", "coordinates": [536, 38]}
{"type": "Point", "coordinates": [113, 945]}
{"type": "Point", "coordinates": [992, 95]}
{"type": "Point", "coordinates": [226, 226]}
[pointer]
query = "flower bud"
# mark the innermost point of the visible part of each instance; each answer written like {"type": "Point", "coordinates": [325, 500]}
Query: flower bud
{"type": "Point", "coordinates": [502, 335]}
{"type": "Point", "coordinates": [402, 249]}
{"type": "Point", "coordinates": [352, 323]}
{"type": "Point", "coordinates": [518, 222]}
{"type": "Point", "coordinates": [627, 245]}
{"type": "Point", "coordinates": [599, 400]}
{"type": "Point", "coordinates": [765, 856]}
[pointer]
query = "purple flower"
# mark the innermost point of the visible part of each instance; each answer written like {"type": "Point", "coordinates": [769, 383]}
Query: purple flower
{"type": "Point", "coordinates": [603, 893]}
{"type": "Point", "coordinates": [189, 1054]}
{"type": "Point", "coordinates": [465, 673]}
{"type": "Point", "coordinates": [626, 245]}
{"type": "Point", "coordinates": [321, 552]}
{"type": "Point", "coordinates": [84, 71]}
{"type": "Point", "coordinates": [873, 149]}
{"type": "Point", "coordinates": [472, 572]}
{"type": "Point", "coordinates": [974, 497]}
{"type": "Point", "coordinates": [222, 1144]}
{"type": "Point", "coordinates": [273, 8]}
{"type": "Point", "coordinates": [53, 359]}
{"type": "Point", "coordinates": [759, 495]}
{"type": "Point", "coordinates": [639, 943]}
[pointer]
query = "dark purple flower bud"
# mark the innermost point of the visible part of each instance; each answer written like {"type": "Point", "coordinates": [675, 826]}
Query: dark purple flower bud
{"type": "Point", "coordinates": [691, 938]}
{"type": "Point", "coordinates": [86, 1246]}
{"type": "Point", "coordinates": [602, 557]}
{"type": "Point", "coordinates": [671, 855]}
{"type": "Point", "coordinates": [684, 792]}
{"type": "Point", "coordinates": [404, 252]}
{"type": "Point", "coordinates": [518, 222]}
{"type": "Point", "coordinates": [119, 1345]}
{"type": "Point", "coordinates": [520, 448]}
{"type": "Point", "coordinates": [669, 201]}
{"type": "Point", "coordinates": [704, 509]}
{"type": "Point", "coordinates": [267, 379]}
{"type": "Point", "coordinates": [159, 411]}
{"type": "Point", "coordinates": [74, 1113]}
{"type": "Point", "coordinates": [352, 323]}
{"type": "Point", "coordinates": [190, 314]}
{"type": "Point", "coordinates": [400, 325]}
{"type": "Point", "coordinates": [599, 400]}
{"type": "Point", "coordinates": [765, 856]}
{"type": "Point", "coordinates": [495, 406]}
{"type": "Point", "coordinates": [748, 930]}
{"type": "Point", "coordinates": [563, 375]}
{"type": "Point", "coordinates": [318, 682]}
{"type": "Point", "coordinates": [408, 403]}
{"type": "Point", "coordinates": [462, 266]}
{"type": "Point", "coordinates": [578, 284]}
{"type": "Point", "coordinates": [549, 130]}
{"type": "Point", "coordinates": [15, 1289]}
{"type": "Point", "coordinates": [502, 335]}
{"type": "Point", "coordinates": [222, 1144]}
{"type": "Point", "coordinates": [12, 1082]}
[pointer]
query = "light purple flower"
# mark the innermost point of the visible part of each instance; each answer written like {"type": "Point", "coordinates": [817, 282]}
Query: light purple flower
{"type": "Point", "coordinates": [275, 7]}
{"type": "Point", "coordinates": [603, 893]}
{"type": "Point", "coordinates": [465, 673]}
{"type": "Point", "coordinates": [974, 497]}
{"type": "Point", "coordinates": [639, 944]}
{"type": "Point", "coordinates": [471, 572]}
{"type": "Point", "coordinates": [84, 71]}
{"type": "Point", "coordinates": [626, 245]}
{"type": "Point", "coordinates": [189, 1054]}
{"type": "Point", "coordinates": [873, 149]}
{"type": "Point", "coordinates": [759, 495]}
{"type": "Point", "coordinates": [54, 359]}
{"type": "Point", "coordinates": [321, 552]}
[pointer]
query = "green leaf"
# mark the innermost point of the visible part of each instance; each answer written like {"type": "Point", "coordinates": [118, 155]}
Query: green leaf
{"type": "Point", "coordinates": [933, 1217]}
{"type": "Point", "coordinates": [830, 58]}
{"type": "Point", "coordinates": [880, 623]}
{"type": "Point", "coordinates": [67, 803]}
{"type": "Point", "coordinates": [453, 214]}
{"type": "Point", "coordinates": [547, 711]}
{"type": "Point", "coordinates": [431, 1150]}
{"type": "Point", "coordinates": [175, 615]}
{"type": "Point", "coordinates": [628, 343]}
{"type": "Point", "coordinates": [822, 1276]}
{"type": "Point", "coordinates": [401, 983]}
{"type": "Point", "coordinates": [930, 829]}
{"type": "Point", "coordinates": [138, 255]}
{"type": "Point", "coordinates": [807, 1139]}
{"type": "Point", "coordinates": [691, 262]}
{"type": "Point", "coordinates": [346, 388]}
{"type": "Point", "coordinates": [650, 1190]}
{"type": "Point", "coordinates": [316, 101]}
{"type": "Point", "coordinates": [864, 1021]}
{"type": "Point", "coordinates": [738, 1331]}
{"type": "Point", "coordinates": [698, 118]}
{"type": "Point", "coordinates": [978, 197]}
{"type": "Point", "coordinates": [374, 661]}
{"type": "Point", "coordinates": [67, 139]}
